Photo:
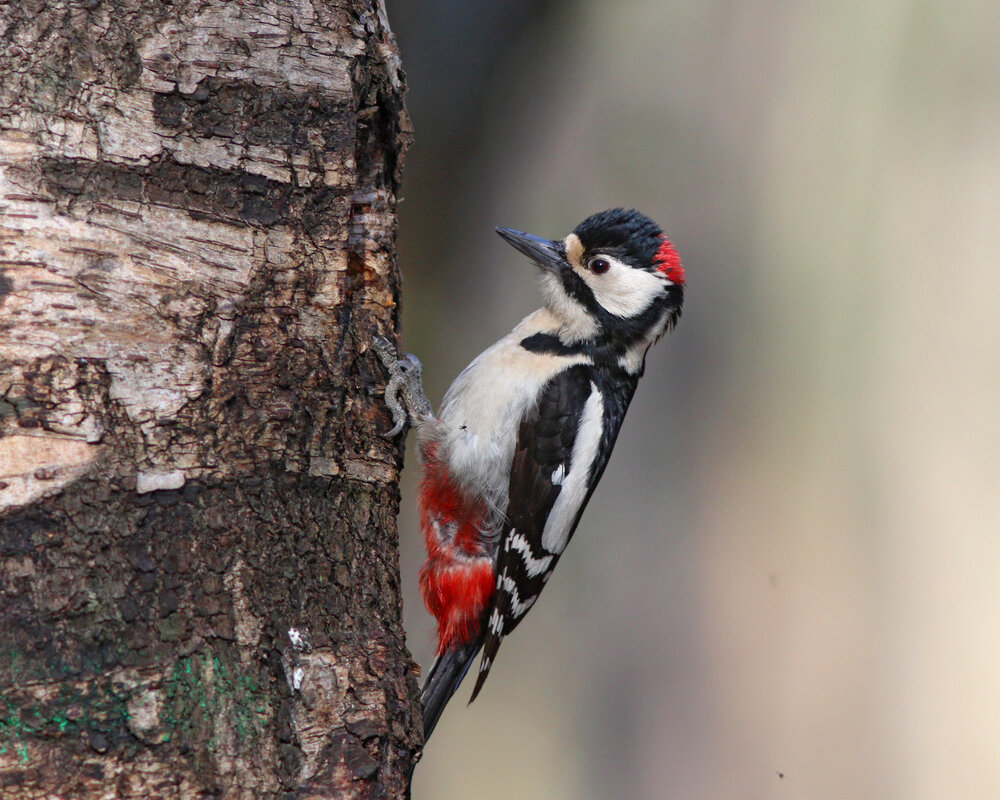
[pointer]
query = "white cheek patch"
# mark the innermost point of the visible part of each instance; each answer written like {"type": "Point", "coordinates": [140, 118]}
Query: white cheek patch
{"type": "Point", "coordinates": [623, 290]}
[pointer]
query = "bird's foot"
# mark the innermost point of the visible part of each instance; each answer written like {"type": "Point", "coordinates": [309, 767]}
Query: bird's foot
{"type": "Point", "coordinates": [404, 393]}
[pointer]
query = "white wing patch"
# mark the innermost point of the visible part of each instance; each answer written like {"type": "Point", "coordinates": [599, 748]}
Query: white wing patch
{"type": "Point", "coordinates": [532, 566]}
{"type": "Point", "coordinates": [574, 485]}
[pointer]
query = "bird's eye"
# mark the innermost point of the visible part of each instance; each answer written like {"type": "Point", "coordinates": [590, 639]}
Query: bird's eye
{"type": "Point", "coordinates": [599, 265]}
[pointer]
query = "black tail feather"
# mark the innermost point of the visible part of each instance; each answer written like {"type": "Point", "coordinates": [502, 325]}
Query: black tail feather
{"type": "Point", "coordinates": [442, 681]}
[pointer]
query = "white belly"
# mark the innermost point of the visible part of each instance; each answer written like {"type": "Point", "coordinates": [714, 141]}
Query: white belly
{"type": "Point", "coordinates": [483, 409]}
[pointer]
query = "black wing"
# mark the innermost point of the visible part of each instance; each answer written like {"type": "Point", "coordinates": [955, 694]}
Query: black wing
{"type": "Point", "coordinates": [561, 452]}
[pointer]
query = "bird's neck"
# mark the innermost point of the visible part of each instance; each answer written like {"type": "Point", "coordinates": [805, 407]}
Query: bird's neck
{"type": "Point", "coordinates": [546, 332]}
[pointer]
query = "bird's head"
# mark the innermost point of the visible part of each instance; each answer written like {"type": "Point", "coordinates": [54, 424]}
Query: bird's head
{"type": "Point", "coordinates": [616, 280]}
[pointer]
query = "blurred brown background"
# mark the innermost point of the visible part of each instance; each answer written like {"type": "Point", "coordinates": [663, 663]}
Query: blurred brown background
{"type": "Point", "coordinates": [788, 583]}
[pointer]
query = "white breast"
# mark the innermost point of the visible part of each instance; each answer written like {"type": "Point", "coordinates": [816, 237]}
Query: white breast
{"type": "Point", "coordinates": [483, 409]}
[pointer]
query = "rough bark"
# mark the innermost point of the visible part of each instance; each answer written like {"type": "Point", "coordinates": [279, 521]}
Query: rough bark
{"type": "Point", "coordinates": [199, 591]}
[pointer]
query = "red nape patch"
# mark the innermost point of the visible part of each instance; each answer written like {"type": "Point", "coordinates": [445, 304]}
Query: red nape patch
{"type": "Point", "coordinates": [668, 261]}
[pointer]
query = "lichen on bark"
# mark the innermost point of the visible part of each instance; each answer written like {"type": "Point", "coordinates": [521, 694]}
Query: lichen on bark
{"type": "Point", "coordinates": [199, 584]}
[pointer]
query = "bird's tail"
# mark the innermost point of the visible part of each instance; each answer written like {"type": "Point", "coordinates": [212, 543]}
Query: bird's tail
{"type": "Point", "coordinates": [442, 681]}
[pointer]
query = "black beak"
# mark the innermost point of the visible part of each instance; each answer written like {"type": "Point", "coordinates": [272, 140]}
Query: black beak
{"type": "Point", "coordinates": [548, 255]}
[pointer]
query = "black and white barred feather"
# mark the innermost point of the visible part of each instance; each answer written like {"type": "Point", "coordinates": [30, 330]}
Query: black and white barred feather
{"type": "Point", "coordinates": [562, 449]}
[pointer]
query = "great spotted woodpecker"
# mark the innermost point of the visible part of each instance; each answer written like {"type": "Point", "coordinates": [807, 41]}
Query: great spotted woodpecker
{"type": "Point", "coordinates": [524, 433]}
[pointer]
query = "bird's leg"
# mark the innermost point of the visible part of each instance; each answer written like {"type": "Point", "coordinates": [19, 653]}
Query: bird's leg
{"type": "Point", "coordinates": [404, 393]}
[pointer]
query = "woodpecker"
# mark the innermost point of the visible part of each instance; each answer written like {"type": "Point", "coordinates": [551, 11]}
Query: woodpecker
{"type": "Point", "coordinates": [524, 433]}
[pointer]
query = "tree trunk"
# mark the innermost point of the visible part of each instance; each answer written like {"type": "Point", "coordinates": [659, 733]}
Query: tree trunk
{"type": "Point", "coordinates": [199, 585]}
